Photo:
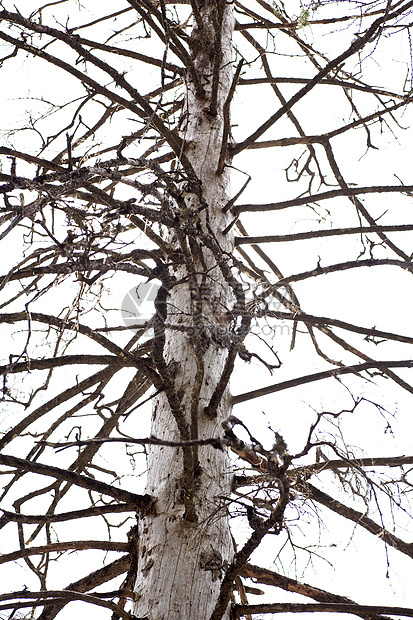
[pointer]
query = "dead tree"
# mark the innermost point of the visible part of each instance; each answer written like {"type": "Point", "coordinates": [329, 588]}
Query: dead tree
{"type": "Point", "coordinates": [115, 185]}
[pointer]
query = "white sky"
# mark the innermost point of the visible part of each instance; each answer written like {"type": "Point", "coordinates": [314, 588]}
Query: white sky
{"type": "Point", "coordinates": [382, 298]}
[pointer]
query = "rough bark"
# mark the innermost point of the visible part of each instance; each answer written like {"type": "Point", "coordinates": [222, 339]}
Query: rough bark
{"type": "Point", "coordinates": [185, 543]}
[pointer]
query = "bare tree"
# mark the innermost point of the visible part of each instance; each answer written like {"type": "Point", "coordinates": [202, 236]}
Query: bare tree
{"type": "Point", "coordinates": [116, 186]}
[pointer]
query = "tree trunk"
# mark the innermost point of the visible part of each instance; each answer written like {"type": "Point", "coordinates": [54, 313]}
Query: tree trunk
{"type": "Point", "coordinates": [185, 542]}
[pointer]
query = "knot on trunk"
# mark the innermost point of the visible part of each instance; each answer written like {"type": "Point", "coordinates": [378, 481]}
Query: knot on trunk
{"type": "Point", "coordinates": [212, 560]}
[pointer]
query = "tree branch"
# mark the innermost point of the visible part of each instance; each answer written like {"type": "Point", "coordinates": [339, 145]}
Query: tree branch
{"type": "Point", "coordinates": [344, 608]}
{"type": "Point", "coordinates": [326, 374]}
{"type": "Point", "coordinates": [141, 502]}
{"type": "Point", "coordinates": [315, 234]}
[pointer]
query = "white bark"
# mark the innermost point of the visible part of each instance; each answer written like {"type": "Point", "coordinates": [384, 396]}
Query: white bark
{"type": "Point", "coordinates": [181, 563]}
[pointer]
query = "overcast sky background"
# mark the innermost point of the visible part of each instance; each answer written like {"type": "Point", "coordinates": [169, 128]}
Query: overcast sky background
{"type": "Point", "coordinates": [350, 296]}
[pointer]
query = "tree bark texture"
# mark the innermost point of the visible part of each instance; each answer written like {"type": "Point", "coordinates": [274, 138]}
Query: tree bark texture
{"type": "Point", "coordinates": [185, 543]}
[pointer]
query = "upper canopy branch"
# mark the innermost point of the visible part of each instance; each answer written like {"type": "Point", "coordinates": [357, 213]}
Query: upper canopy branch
{"type": "Point", "coordinates": [143, 111]}
{"type": "Point", "coordinates": [360, 41]}
{"type": "Point", "coordinates": [356, 85]}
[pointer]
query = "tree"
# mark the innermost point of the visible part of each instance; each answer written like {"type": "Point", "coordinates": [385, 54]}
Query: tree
{"type": "Point", "coordinates": [117, 179]}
